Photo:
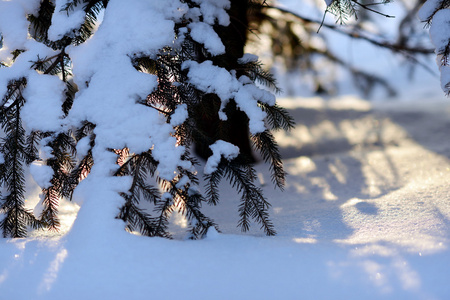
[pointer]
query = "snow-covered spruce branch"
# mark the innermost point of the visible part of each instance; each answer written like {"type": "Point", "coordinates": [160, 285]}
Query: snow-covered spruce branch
{"type": "Point", "coordinates": [148, 93]}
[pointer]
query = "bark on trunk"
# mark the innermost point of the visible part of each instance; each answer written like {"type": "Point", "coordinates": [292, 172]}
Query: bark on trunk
{"type": "Point", "coordinates": [235, 129]}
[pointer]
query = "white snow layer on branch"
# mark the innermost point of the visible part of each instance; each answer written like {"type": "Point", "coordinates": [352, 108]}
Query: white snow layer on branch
{"type": "Point", "coordinates": [22, 65]}
{"type": "Point", "coordinates": [14, 24]}
{"type": "Point", "coordinates": [109, 87]}
{"type": "Point", "coordinates": [445, 79]}
{"type": "Point", "coordinates": [44, 97]}
{"type": "Point", "coordinates": [248, 58]}
{"type": "Point", "coordinates": [42, 174]}
{"type": "Point", "coordinates": [83, 147]}
{"type": "Point", "coordinates": [213, 79]}
{"type": "Point", "coordinates": [220, 149]}
{"type": "Point", "coordinates": [213, 10]}
{"type": "Point", "coordinates": [428, 9]}
{"type": "Point", "coordinates": [205, 34]}
{"type": "Point", "coordinates": [440, 36]}
{"type": "Point", "coordinates": [440, 30]}
{"type": "Point", "coordinates": [65, 22]}
{"type": "Point", "coordinates": [14, 31]}
{"type": "Point", "coordinates": [179, 115]}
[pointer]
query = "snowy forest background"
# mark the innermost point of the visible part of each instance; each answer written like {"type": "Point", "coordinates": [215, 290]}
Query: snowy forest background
{"type": "Point", "coordinates": [150, 118]}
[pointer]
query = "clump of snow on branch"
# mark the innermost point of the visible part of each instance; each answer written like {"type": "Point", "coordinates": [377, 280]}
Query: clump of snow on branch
{"type": "Point", "coordinates": [428, 9]}
{"type": "Point", "coordinates": [14, 24]}
{"type": "Point", "coordinates": [42, 110]}
{"type": "Point", "coordinates": [433, 11]}
{"type": "Point", "coordinates": [83, 146]}
{"type": "Point", "coordinates": [439, 31]}
{"type": "Point", "coordinates": [247, 58]}
{"type": "Point", "coordinates": [42, 174]}
{"type": "Point", "coordinates": [110, 92]}
{"type": "Point", "coordinates": [45, 151]}
{"type": "Point", "coordinates": [213, 79]}
{"type": "Point", "coordinates": [440, 36]}
{"type": "Point", "coordinates": [445, 78]}
{"type": "Point", "coordinates": [179, 116]}
{"type": "Point", "coordinates": [213, 10]}
{"type": "Point", "coordinates": [205, 34]}
{"type": "Point", "coordinates": [220, 149]}
{"type": "Point", "coordinates": [22, 65]}
{"type": "Point", "coordinates": [14, 31]}
{"type": "Point", "coordinates": [65, 22]}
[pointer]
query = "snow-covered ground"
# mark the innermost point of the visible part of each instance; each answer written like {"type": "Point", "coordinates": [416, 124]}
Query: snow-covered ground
{"type": "Point", "coordinates": [365, 215]}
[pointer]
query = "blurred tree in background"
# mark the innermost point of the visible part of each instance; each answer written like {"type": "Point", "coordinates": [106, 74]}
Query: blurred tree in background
{"type": "Point", "coordinates": [296, 37]}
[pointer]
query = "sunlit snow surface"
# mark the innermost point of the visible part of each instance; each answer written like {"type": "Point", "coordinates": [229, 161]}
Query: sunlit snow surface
{"type": "Point", "coordinates": [365, 215]}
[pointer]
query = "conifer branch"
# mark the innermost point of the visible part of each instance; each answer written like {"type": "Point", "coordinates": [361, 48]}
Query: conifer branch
{"type": "Point", "coordinates": [13, 95]}
{"type": "Point", "coordinates": [367, 7]}
{"type": "Point", "coordinates": [62, 163]}
{"type": "Point", "coordinates": [49, 215]}
{"type": "Point", "coordinates": [278, 117]}
{"type": "Point", "coordinates": [212, 186]}
{"type": "Point", "coordinates": [265, 143]}
{"type": "Point", "coordinates": [253, 204]}
{"type": "Point", "coordinates": [14, 149]}
{"type": "Point", "coordinates": [165, 208]}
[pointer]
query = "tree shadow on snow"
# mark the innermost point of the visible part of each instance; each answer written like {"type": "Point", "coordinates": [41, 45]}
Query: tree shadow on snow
{"type": "Point", "coordinates": [334, 158]}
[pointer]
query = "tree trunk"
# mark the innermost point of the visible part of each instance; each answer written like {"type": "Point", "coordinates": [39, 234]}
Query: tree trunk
{"type": "Point", "coordinates": [235, 129]}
